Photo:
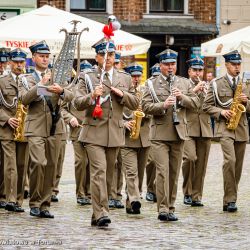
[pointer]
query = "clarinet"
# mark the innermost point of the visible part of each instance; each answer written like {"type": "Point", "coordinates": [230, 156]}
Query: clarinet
{"type": "Point", "coordinates": [171, 81]}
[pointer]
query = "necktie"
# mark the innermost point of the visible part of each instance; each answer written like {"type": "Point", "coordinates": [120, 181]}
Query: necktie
{"type": "Point", "coordinates": [108, 78]}
{"type": "Point", "coordinates": [17, 80]}
{"type": "Point", "coordinates": [234, 84]}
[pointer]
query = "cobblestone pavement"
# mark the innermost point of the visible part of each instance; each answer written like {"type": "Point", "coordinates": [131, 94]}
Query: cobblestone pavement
{"type": "Point", "coordinates": [197, 228]}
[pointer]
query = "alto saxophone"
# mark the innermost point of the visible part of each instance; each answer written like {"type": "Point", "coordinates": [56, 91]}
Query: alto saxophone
{"type": "Point", "coordinates": [236, 108]}
{"type": "Point", "coordinates": [137, 118]}
{"type": "Point", "coordinates": [21, 113]}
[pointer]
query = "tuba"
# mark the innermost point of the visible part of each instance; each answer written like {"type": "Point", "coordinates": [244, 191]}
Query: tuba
{"type": "Point", "coordinates": [137, 118]}
{"type": "Point", "coordinates": [21, 113]}
{"type": "Point", "coordinates": [237, 109]}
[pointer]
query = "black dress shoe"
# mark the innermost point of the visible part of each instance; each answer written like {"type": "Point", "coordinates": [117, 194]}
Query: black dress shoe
{"type": "Point", "coordinates": [149, 196]}
{"type": "Point", "coordinates": [197, 204]}
{"type": "Point", "coordinates": [54, 198]}
{"type": "Point", "coordinates": [10, 206]}
{"type": "Point", "coordinates": [111, 203]}
{"type": "Point", "coordinates": [163, 216]}
{"type": "Point", "coordinates": [118, 204]}
{"type": "Point", "coordinates": [83, 201]}
{"type": "Point", "coordinates": [187, 200]}
{"type": "Point", "coordinates": [103, 221]}
{"type": "Point", "coordinates": [35, 211]}
{"type": "Point", "coordinates": [135, 206]}
{"type": "Point", "coordinates": [2, 204]}
{"type": "Point", "coordinates": [46, 214]}
{"type": "Point", "coordinates": [231, 207]}
{"type": "Point", "coordinates": [18, 209]}
{"type": "Point", "coordinates": [172, 217]}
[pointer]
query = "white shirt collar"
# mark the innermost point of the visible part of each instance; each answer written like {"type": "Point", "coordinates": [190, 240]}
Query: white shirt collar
{"type": "Point", "coordinates": [39, 73]}
{"type": "Point", "coordinates": [166, 78]}
{"type": "Point", "coordinates": [231, 78]}
{"type": "Point", "coordinates": [14, 76]}
{"type": "Point", "coordinates": [111, 72]}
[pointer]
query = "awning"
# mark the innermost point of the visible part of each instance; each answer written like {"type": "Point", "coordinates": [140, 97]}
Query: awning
{"type": "Point", "coordinates": [45, 23]}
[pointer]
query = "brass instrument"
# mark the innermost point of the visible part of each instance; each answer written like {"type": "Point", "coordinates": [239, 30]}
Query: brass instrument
{"type": "Point", "coordinates": [137, 118]}
{"type": "Point", "coordinates": [236, 108]}
{"type": "Point", "coordinates": [175, 117]}
{"type": "Point", "coordinates": [21, 113]}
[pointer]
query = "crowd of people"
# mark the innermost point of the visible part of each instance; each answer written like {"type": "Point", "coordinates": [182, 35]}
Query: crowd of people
{"type": "Point", "coordinates": [173, 118]}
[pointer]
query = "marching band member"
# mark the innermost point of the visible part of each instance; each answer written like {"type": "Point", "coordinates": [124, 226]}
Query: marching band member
{"type": "Point", "coordinates": [4, 57]}
{"type": "Point", "coordinates": [116, 189]}
{"type": "Point", "coordinates": [150, 167]}
{"type": "Point", "coordinates": [135, 152]}
{"type": "Point", "coordinates": [218, 104]}
{"type": "Point", "coordinates": [103, 135]}
{"type": "Point", "coordinates": [43, 129]}
{"type": "Point", "coordinates": [197, 147]}
{"type": "Point", "coordinates": [167, 99]}
{"type": "Point", "coordinates": [74, 119]}
{"type": "Point", "coordinates": [14, 152]}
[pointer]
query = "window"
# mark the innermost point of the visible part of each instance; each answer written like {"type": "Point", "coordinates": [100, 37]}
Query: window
{"type": "Point", "coordinates": [175, 6]}
{"type": "Point", "coordinates": [88, 5]}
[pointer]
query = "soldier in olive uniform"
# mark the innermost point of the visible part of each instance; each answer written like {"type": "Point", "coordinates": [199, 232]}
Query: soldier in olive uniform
{"type": "Point", "coordinates": [4, 57]}
{"type": "Point", "coordinates": [233, 141]}
{"type": "Point", "coordinates": [197, 147]}
{"type": "Point", "coordinates": [116, 189]}
{"type": "Point", "coordinates": [74, 119]}
{"type": "Point", "coordinates": [167, 99]}
{"type": "Point", "coordinates": [59, 167]}
{"type": "Point", "coordinates": [103, 135]}
{"type": "Point", "coordinates": [150, 167]}
{"type": "Point", "coordinates": [135, 152]}
{"type": "Point", "coordinates": [14, 152]}
{"type": "Point", "coordinates": [43, 128]}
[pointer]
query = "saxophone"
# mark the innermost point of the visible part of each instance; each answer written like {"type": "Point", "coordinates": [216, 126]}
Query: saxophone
{"type": "Point", "coordinates": [237, 109]}
{"type": "Point", "coordinates": [137, 118]}
{"type": "Point", "coordinates": [21, 113]}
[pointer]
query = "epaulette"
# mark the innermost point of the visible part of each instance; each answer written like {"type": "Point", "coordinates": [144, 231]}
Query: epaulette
{"type": "Point", "coordinates": [90, 71]}
{"type": "Point", "coordinates": [121, 71]}
{"type": "Point", "coordinates": [25, 75]}
{"type": "Point", "coordinates": [217, 78]}
{"type": "Point", "coordinates": [182, 77]}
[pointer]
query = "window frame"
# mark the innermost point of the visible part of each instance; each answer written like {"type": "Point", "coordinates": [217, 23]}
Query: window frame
{"type": "Point", "coordinates": [88, 9]}
{"type": "Point", "coordinates": [165, 8]}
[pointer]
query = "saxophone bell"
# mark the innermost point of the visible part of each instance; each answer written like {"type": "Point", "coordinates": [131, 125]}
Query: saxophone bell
{"type": "Point", "coordinates": [137, 118]}
{"type": "Point", "coordinates": [237, 109]}
{"type": "Point", "coordinates": [21, 113]}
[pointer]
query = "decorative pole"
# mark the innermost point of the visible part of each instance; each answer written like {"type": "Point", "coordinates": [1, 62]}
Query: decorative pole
{"type": "Point", "coordinates": [108, 31]}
